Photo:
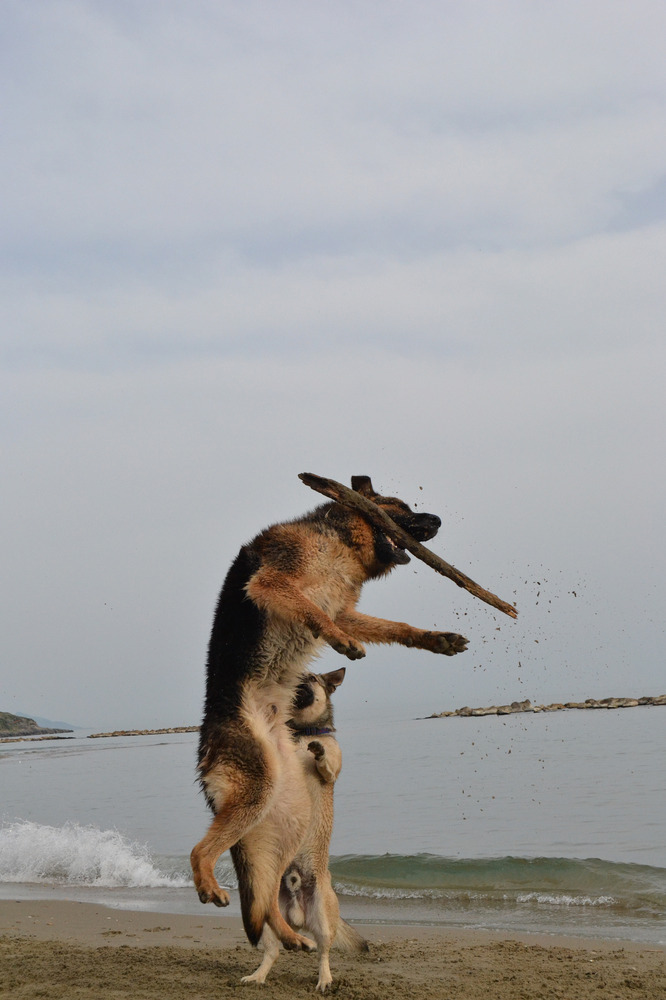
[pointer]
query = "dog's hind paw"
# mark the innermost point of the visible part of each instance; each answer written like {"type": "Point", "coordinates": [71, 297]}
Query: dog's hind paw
{"type": "Point", "coordinates": [254, 978]}
{"type": "Point", "coordinates": [218, 896]}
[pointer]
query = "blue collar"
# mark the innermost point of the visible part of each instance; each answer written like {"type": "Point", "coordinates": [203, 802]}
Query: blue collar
{"type": "Point", "coordinates": [313, 731]}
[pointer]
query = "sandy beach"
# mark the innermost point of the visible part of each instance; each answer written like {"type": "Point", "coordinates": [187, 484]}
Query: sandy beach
{"type": "Point", "coordinates": [56, 949]}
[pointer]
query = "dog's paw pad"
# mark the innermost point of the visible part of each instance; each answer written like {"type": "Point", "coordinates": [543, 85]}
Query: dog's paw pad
{"type": "Point", "coordinates": [448, 643]}
{"type": "Point", "coordinates": [355, 651]}
{"type": "Point", "coordinates": [457, 643]}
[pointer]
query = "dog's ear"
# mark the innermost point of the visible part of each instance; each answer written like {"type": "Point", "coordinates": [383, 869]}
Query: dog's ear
{"type": "Point", "coordinates": [334, 679]}
{"type": "Point", "coordinates": [363, 485]}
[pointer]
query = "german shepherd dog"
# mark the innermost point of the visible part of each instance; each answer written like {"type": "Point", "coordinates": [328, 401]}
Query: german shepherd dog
{"type": "Point", "coordinates": [307, 899]}
{"type": "Point", "coordinates": [289, 591]}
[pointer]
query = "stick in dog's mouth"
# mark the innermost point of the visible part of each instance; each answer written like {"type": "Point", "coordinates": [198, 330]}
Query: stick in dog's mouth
{"type": "Point", "coordinates": [401, 538]}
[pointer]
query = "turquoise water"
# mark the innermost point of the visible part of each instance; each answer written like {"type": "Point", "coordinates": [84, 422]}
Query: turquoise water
{"type": "Point", "coordinates": [589, 897]}
{"type": "Point", "coordinates": [533, 823]}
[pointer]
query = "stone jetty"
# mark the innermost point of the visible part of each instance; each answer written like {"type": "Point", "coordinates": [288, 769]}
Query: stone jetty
{"type": "Point", "coordinates": [144, 732]}
{"type": "Point", "coordinates": [526, 706]}
{"type": "Point", "coordinates": [16, 729]}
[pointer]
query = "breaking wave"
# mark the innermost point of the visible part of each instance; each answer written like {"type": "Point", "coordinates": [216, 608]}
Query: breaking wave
{"type": "Point", "coordinates": [79, 855]}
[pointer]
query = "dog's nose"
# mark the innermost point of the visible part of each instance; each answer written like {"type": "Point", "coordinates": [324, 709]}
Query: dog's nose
{"type": "Point", "coordinates": [427, 526]}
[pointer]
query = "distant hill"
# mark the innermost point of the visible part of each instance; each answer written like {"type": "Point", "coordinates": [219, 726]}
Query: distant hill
{"type": "Point", "coordinates": [20, 725]}
{"type": "Point", "coordinates": [50, 723]}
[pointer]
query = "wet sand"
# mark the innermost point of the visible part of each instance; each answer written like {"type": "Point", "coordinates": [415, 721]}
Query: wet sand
{"type": "Point", "coordinates": [68, 950]}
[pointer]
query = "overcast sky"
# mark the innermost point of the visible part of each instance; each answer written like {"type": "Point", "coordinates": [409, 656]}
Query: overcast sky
{"type": "Point", "coordinates": [420, 241]}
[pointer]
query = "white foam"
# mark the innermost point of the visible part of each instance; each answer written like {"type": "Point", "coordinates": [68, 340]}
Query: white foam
{"type": "Point", "coordinates": [77, 855]}
{"type": "Point", "coordinates": [565, 899]}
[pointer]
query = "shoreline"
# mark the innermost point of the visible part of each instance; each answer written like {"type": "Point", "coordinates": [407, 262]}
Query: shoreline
{"type": "Point", "coordinates": [95, 923]}
{"type": "Point", "coordinates": [586, 924]}
{"type": "Point", "coordinates": [72, 949]}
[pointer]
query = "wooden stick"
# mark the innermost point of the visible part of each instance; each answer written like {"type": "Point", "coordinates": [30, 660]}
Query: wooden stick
{"type": "Point", "coordinates": [373, 513]}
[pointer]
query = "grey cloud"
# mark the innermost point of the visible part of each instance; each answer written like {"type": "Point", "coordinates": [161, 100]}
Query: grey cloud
{"type": "Point", "coordinates": [241, 242]}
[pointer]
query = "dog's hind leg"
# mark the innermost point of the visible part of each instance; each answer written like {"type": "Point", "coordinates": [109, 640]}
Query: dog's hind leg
{"type": "Point", "coordinates": [239, 786]}
{"type": "Point", "coordinates": [322, 916]}
{"type": "Point", "coordinates": [270, 946]}
{"type": "Point", "coordinates": [241, 804]}
{"type": "Point", "coordinates": [221, 834]}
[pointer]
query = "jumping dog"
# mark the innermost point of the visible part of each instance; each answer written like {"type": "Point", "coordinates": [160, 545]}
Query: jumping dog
{"type": "Point", "coordinates": [289, 591]}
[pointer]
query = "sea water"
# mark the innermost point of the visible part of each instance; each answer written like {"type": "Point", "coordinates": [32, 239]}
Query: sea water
{"type": "Point", "coordinates": [551, 822]}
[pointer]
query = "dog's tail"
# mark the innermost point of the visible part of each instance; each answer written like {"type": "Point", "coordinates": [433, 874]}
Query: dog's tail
{"type": "Point", "coordinates": [349, 939]}
{"type": "Point", "coordinates": [253, 926]}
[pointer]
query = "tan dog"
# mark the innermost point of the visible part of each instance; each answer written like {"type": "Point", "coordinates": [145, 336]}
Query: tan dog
{"type": "Point", "coordinates": [289, 591]}
{"type": "Point", "coordinates": [307, 899]}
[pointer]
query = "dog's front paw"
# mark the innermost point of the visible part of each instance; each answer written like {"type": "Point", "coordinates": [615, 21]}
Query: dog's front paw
{"type": "Point", "coordinates": [316, 749]}
{"type": "Point", "coordinates": [348, 647]}
{"type": "Point", "coordinates": [448, 643]}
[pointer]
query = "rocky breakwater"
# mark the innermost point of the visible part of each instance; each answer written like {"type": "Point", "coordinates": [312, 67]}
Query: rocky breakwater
{"type": "Point", "coordinates": [144, 732]}
{"type": "Point", "coordinates": [557, 706]}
